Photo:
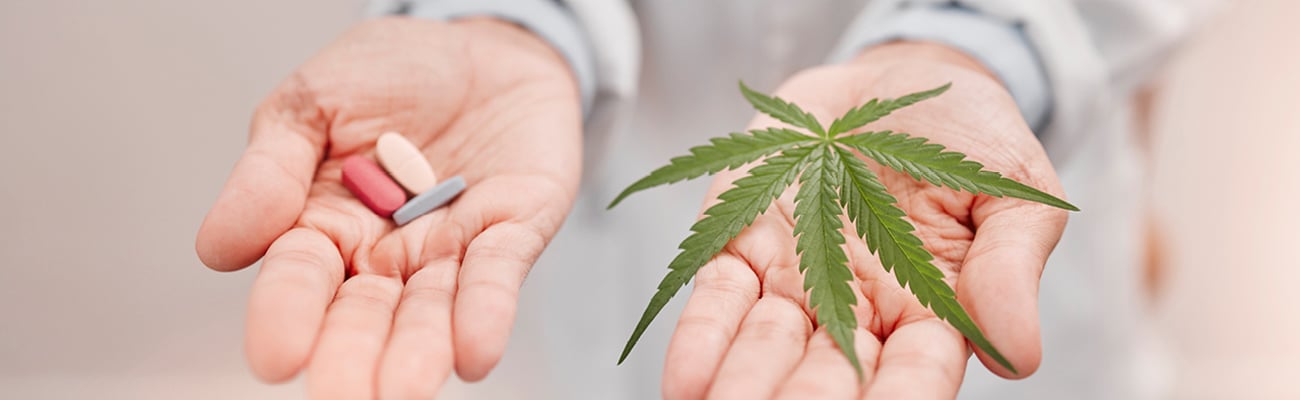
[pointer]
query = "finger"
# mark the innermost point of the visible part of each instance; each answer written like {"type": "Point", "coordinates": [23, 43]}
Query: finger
{"type": "Point", "coordinates": [999, 279]}
{"type": "Point", "coordinates": [419, 354]}
{"type": "Point", "coordinates": [725, 290]}
{"type": "Point", "coordinates": [824, 372]}
{"type": "Point", "coordinates": [920, 360]}
{"type": "Point", "coordinates": [496, 263]}
{"type": "Point", "coordinates": [288, 301]}
{"type": "Point", "coordinates": [265, 193]}
{"type": "Point", "coordinates": [508, 233]}
{"type": "Point", "coordinates": [354, 333]}
{"type": "Point", "coordinates": [770, 342]}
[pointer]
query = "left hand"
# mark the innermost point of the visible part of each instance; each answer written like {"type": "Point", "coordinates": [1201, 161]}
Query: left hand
{"type": "Point", "coordinates": [747, 331]}
{"type": "Point", "coordinates": [370, 309]}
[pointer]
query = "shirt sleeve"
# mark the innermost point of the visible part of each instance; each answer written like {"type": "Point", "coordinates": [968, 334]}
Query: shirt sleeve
{"type": "Point", "coordinates": [1090, 54]}
{"type": "Point", "coordinates": [1000, 45]}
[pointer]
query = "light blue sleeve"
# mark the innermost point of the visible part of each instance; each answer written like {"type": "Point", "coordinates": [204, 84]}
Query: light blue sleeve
{"type": "Point", "coordinates": [549, 19]}
{"type": "Point", "coordinates": [999, 44]}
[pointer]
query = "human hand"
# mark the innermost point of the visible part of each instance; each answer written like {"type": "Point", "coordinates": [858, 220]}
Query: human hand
{"type": "Point", "coordinates": [368, 308]}
{"type": "Point", "coordinates": [747, 330]}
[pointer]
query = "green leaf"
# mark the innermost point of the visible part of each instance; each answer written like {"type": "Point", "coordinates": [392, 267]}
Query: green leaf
{"type": "Point", "coordinates": [917, 157]}
{"type": "Point", "coordinates": [782, 110]}
{"type": "Point", "coordinates": [821, 259]}
{"type": "Point", "coordinates": [880, 223]}
{"type": "Point", "coordinates": [721, 153]}
{"type": "Point", "coordinates": [877, 109]}
{"type": "Point", "coordinates": [749, 197]}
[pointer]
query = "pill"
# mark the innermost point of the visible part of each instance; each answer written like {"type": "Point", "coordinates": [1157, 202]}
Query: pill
{"type": "Point", "coordinates": [368, 182]}
{"type": "Point", "coordinates": [429, 200]}
{"type": "Point", "coordinates": [405, 163]}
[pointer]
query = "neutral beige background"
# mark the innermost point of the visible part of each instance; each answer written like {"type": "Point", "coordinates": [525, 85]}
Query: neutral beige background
{"type": "Point", "coordinates": [119, 120]}
{"type": "Point", "coordinates": [1227, 182]}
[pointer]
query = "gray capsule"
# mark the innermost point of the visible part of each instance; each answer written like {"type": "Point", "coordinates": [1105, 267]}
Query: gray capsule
{"type": "Point", "coordinates": [429, 200]}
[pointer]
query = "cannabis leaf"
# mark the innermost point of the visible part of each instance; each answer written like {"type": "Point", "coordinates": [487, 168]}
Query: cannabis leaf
{"type": "Point", "coordinates": [782, 110]}
{"type": "Point", "coordinates": [922, 160]}
{"type": "Point", "coordinates": [832, 180]}
{"type": "Point", "coordinates": [880, 223]}
{"type": "Point", "coordinates": [721, 153]}
{"type": "Point", "coordinates": [825, 267]}
{"type": "Point", "coordinates": [742, 203]}
{"type": "Point", "coordinates": [877, 109]}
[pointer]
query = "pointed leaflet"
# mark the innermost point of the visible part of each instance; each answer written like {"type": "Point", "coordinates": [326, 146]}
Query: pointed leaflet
{"type": "Point", "coordinates": [881, 225]}
{"type": "Point", "coordinates": [739, 205]}
{"type": "Point", "coordinates": [721, 153]}
{"type": "Point", "coordinates": [782, 110]}
{"type": "Point", "coordinates": [821, 259]}
{"type": "Point", "coordinates": [877, 109]}
{"type": "Point", "coordinates": [917, 157]}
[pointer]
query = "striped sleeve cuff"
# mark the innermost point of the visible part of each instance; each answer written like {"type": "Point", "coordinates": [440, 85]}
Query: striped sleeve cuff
{"type": "Point", "coordinates": [1000, 45]}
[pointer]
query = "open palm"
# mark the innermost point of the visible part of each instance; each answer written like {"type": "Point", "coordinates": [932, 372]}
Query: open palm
{"type": "Point", "coordinates": [748, 330]}
{"type": "Point", "coordinates": [371, 309]}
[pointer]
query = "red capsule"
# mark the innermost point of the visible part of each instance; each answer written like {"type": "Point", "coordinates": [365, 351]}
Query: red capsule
{"type": "Point", "coordinates": [366, 180]}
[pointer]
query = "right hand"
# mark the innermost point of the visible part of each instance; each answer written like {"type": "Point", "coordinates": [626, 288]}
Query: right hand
{"type": "Point", "coordinates": [370, 309]}
{"type": "Point", "coordinates": [748, 330]}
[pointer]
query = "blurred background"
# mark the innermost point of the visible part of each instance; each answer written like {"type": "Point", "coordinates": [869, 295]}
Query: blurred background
{"type": "Point", "coordinates": [119, 121]}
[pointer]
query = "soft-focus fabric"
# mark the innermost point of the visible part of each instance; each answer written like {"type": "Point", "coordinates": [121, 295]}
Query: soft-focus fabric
{"type": "Point", "coordinates": [998, 44]}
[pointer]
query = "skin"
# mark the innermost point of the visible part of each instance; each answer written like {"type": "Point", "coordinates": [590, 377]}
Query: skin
{"type": "Point", "coordinates": [747, 331]}
{"type": "Point", "coordinates": [368, 309]}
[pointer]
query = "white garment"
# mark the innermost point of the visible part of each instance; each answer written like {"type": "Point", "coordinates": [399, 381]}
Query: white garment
{"type": "Point", "coordinates": [585, 294]}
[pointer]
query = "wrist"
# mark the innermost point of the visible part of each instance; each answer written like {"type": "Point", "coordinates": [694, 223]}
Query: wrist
{"type": "Point", "coordinates": [517, 38]}
{"type": "Point", "coordinates": [550, 21]}
{"type": "Point", "coordinates": [899, 51]}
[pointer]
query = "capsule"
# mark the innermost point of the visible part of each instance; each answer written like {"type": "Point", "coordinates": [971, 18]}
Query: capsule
{"type": "Point", "coordinates": [368, 182]}
{"type": "Point", "coordinates": [429, 200]}
{"type": "Point", "coordinates": [405, 163]}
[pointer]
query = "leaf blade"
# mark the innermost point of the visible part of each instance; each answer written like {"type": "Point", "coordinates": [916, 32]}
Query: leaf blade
{"type": "Point", "coordinates": [726, 152]}
{"type": "Point", "coordinates": [923, 160]}
{"type": "Point", "coordinates": [821, 257]}
{"type": "Point", "coordinates": [880, 223]}
{"type": "Point", "coordinates": [781, 110]}
{"type": "Point", "coordinates": [739, 206]}
{"type": "Point", "coordinates": [877, 109]}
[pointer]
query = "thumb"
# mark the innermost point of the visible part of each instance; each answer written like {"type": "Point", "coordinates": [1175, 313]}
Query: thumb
{"type": "Point", "coordinates": [999, 278]}
{"type": "Point", "coordinates": [268, 188]}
